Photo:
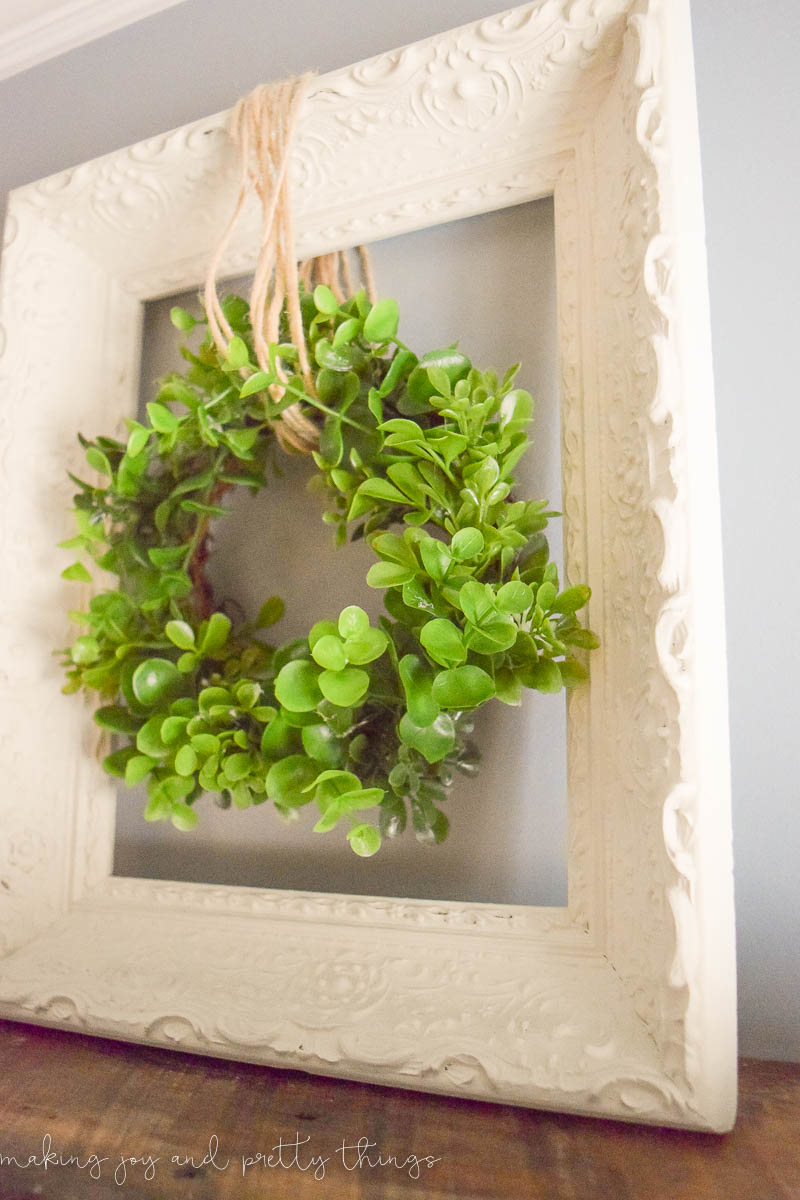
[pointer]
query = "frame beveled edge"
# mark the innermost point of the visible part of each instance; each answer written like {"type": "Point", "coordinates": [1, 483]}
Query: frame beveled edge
{"type": "Point", "coordinates": [669, 1027]}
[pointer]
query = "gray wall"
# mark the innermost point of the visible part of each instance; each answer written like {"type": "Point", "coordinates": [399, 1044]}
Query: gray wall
{"type": "Point", "coordinates": [200, 56]}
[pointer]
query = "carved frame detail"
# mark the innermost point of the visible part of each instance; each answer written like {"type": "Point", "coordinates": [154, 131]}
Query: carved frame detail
{"type": "Point", "coordinates": [622, 1004]}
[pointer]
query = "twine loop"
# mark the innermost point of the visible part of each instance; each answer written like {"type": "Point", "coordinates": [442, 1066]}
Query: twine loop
{"type": "Point", "coordinates": [263, 125]}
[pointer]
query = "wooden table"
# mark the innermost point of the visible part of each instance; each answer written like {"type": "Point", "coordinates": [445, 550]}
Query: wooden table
{"type": "Point", "coordinates": [206, 1120]}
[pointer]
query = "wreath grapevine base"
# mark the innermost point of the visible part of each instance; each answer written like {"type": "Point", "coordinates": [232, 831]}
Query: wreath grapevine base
{"type": "Point", "coordinates": [415, 455]}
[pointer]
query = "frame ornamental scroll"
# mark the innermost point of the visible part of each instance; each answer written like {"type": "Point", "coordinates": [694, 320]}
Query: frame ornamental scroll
{"type": "Point", "coordinates": [620, 1004]}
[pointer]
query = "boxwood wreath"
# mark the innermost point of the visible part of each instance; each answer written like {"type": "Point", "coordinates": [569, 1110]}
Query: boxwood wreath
{"type": "Point", "coordinates": [414, 454]}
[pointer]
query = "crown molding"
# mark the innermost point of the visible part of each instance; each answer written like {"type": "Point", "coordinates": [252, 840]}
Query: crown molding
{"type": "Point", "coordinates": [64, 27]}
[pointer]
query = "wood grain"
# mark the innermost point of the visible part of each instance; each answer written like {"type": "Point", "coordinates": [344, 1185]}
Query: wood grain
{"type": "Point", "coordinates": [114, 1099]}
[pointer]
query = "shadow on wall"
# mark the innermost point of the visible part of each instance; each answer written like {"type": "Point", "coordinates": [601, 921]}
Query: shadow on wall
{"type": "Point", "coordinates": [490, 282]}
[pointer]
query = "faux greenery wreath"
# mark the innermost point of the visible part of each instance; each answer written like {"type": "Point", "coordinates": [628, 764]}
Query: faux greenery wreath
{"type": "Point", "coordinates": [352, 717]}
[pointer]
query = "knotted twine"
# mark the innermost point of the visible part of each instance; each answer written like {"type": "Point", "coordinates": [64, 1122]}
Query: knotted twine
{"type": "Point", "coordinates": [262, 127]}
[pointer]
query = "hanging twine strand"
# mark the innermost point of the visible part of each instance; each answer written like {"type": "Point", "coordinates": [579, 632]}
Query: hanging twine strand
{"type": "Point", "coordinates": [262, 127]}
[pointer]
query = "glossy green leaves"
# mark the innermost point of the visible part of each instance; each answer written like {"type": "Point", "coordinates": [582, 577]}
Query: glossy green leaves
{"type": "Point", "coordinates": [417, 457]}
{"type": "Point", "coordinates": [297, 687]}
{"type": "Point", "coordinates": [462, 687]}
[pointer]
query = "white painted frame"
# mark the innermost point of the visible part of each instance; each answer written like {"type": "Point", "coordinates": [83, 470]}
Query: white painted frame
{"type": "Point", "coordinates": [621, 1004]}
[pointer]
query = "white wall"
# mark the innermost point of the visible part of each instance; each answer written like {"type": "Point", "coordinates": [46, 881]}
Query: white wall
{"type": "Point", "coordinates": [200, 56]}
{"type": "Point", "coordinates": [746, 56]}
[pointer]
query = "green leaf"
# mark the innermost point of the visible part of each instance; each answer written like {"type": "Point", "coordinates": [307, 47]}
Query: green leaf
{"type": "Point", "coordinates": [545, 596]}
{"type": "Point", "coordinates": [237, 766]}
{"type": "Point", "coordinates": [443, 642]}
{"type": "Point", "coordinates": [376, 488]}
{"type": "Point", "coordinates": [205, 744]}
{"type": "Point", "coordinates": [515, 597]}
{"type": "Point", "coordinates": [270, 612]}
{"type": "Point", "coordinates": [496, 633]}
{"type": "Point", "coordinates": [116, 763]}
{"type": "Point", "coordinates": [402, 363]}
{"type": "Point", "coordinates": [336, 782]}
{"type": "Point", "coordinates": [162, 515]}
{"type": "Point", "coordinates": [77, 572]}
{"type": "Point", "coordinates": [161, 418]}
{"type": "Point", "coordinates": [544, 676]}
{"type": "Point", "coordinates": [172, 728]}
{"type": "Point", "coordinates": [521, 403]}
{"type": "Point", "coordinates": [197, 506]}
{"type": "Point", "coordinates": [138, 768]}
{"type": "Point", "coordinates": [186, 761]}
{"type": "Point", "coordinates": [325, 300]}
{"type": "Point", "coordinates": [329, 653]}
{"type": "Point", "coordinates": [241, 794]}
{"type": "Point", "coordinates": [570, 600]}
{"type": "Point", "coordinates": [322, 628]}
{"type": "Point", "coordinates": [365, 647]}
{"type": "Point", "coordinates": [333, 358]}
{"type": "Point", "coordinates": [364, 840]}
{"type": "Point", "coordinates": [401, 431]}
{"type": "Point", "coordinates": [344, 688]}
{"type": "Point", "coordinates": [406, 476]}
{"type": "Point", "coordinates": [241, 441]}
{"type": "Point", "coordinates": [420, 387]}
{"type": "Point", "coordinates": [334, 811]}
{"type": "Point", "coordinates": [237, 353]}
{"type": "Point", "coordinates": [440, 380]}
{"type": "Point", "coordinates": [98, 461]}
{"type": "Point", "coordinates": [85, 650]}
{"type": "Point", "coordinates": [353, 621]}
{"type": "Point", "coordinates": [384, 574]}
{"type": "Point", "coordinates": [167, 557]}
{"type": "Point", "coordinates": [446, 443]}
{"type": "Point", "coordinates": [158, 807]}
{"type": "Point", "coordinates": [288, 778]}
{"type": "Point", "coordinates": [508, 686]}
{"type": "Point", "coordinates": [417, 681]}
{"type": "Point", "coordinates": [297, 687]}
{"type": "Point", "coordinates": [572, 672]}
{"type": "Point", "coordinates": [278, 738]}
{"type": "Point", "coordinates": [149, 740]}
{"type": "Point", "coordinates": [467, 543]}
{"type": "Point", "coordinates": [181, 634]}
{"type": "Point", "coordinates": [382, 321]}
{"type": "Point", "coordinates": [117, 719]}
{"type": "Point", "coordinates": [259, 381]}
{"type": "Point", "coordinates": [321, 743]}
{"type": "Point", "coordinates": [181, 319]}
{"type": "Point", "coordinates": [486, 475]}
{"type": "Point", "coordinates": [154, 679]}
{"type": "Point", "coordinates": [462, 687]}
{"type": "Point", "coordinates": [347, 331]}
{"type": "Point", "coordinates": [476, 602]}
{"type": "Point", "coordinates": [247, 693]}
{"type": "Point", "coordinates": [183, 817]}
{"type": "Point", "coordinates": [434, 742]}
{"type": "Point", "coordinates": [211, 696]}
{"type": "Point", "coordinates": [331, 442]}
{"type": "Point", "coordinates": [395, 549]}
{"type": "Point", "coordinates": [436, 558]}
{"type": "Point", "coordinates": [215, 634]}
{"type": "Point", "coordinates": [583, 638]}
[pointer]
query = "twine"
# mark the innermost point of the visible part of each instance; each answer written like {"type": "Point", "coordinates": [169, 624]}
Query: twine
{"type": "Point", "coordinates": [262, 127]}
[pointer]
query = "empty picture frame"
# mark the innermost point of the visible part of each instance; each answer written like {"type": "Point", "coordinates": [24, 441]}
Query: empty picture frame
{"type": "Point", "coordinates": [621, 1004]}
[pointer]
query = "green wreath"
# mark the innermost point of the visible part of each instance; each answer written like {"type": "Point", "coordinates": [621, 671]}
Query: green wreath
{"type": "Point", "coordinates": [353, 717]}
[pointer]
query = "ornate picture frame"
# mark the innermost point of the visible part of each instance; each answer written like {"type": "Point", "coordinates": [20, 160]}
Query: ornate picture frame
{"type": "Point", "coordinates": [620, 1004]}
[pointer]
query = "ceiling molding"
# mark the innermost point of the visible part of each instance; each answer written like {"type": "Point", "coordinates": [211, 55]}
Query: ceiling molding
{"type": "Point", "coordinates": [66, 25]}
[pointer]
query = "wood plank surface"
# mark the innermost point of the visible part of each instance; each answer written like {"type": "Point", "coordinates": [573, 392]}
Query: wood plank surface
{"type": "Point", "coordinates": [206, 1120]}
